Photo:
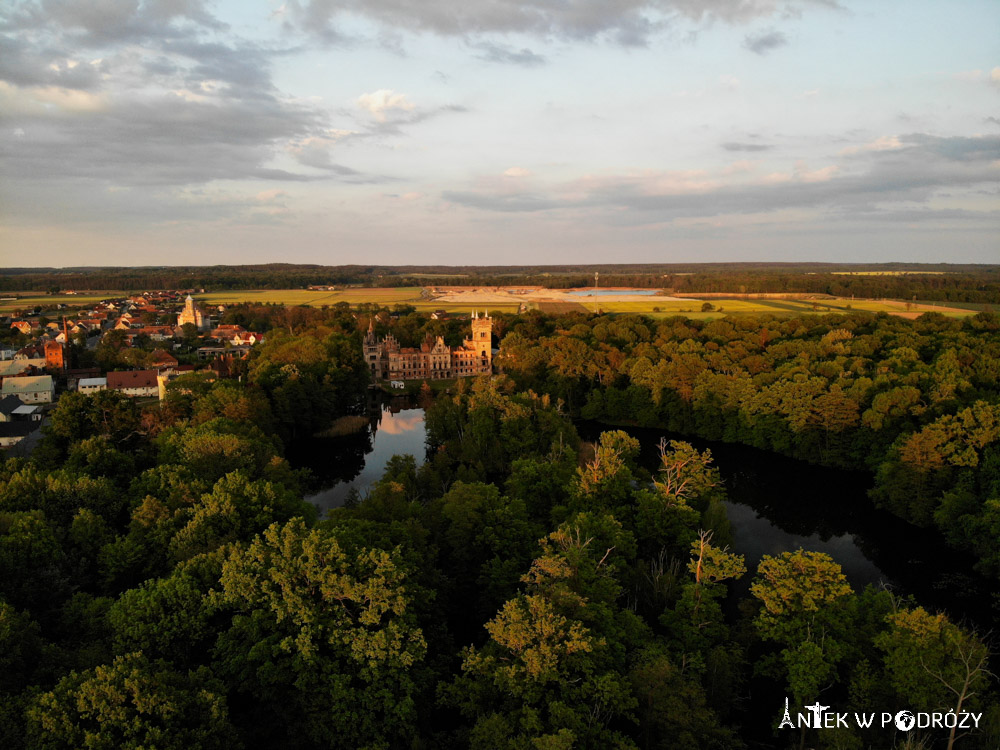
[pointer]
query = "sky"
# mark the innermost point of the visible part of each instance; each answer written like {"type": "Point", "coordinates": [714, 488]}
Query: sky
{"type": "Point", "coordinates": [191, 132]}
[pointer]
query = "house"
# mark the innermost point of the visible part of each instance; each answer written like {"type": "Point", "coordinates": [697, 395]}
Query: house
{"type": "Point", "coordinates": [161, 359]}
{"type": "Point", "coordinates": [35, 351]}
{"type": "Point", "coordinates": [133, 382]}
{"type": "Point", "coordinates": [73, 377]}
{"type": "Point", "coordinates": [92, 385]}
{"type": "Point", "coordinates": [31, 389]}
{"type": "Point", "coordinates": [14, 367]}
{"type": "Point", "coordinates": [28, 413]}
{"type": "Point", "coordinates": [155, 333]}
{"type": "Point", "coordinates": [12, 433]}
{"type": "Point", "coordinates": [55, 356]}
{"type": "Point", "coordinates": [226, 331]}
{"type": "Point", "coordinates": [22, 326]}
{"type": "Point", "coordinates": [7, 406]}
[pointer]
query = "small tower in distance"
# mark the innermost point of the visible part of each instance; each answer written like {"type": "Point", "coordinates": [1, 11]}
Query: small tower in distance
{"type": "Point", "coordinates": [371, 349]}
{"type": "Point", "coordinates": [482, 339]}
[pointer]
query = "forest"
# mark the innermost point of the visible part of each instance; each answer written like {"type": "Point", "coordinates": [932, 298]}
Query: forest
{"type": "Point", "coordinates": [163, 583]}
{"type": "Point", "coordinates": [977, 284]}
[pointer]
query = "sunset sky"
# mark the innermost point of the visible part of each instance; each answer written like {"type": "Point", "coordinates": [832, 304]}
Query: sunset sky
{"type": "Point", "coordinates": [498, 131]}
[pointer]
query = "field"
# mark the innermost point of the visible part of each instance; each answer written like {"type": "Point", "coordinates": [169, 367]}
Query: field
{"type": "Point", "coordinates": [658, 308]}
{"type": "Point", "coordinates": [546, 300]}
{"type": "Point", "coordinates": [48, 302]}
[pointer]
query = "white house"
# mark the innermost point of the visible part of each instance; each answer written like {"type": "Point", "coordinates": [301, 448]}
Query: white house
{"type": "Point", "coordinates": [36, 389]}
{"type": "Point", "coordinates": [92, 385]}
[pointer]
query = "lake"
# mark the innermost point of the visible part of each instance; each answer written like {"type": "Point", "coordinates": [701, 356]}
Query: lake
{"type": "Point", "coordinates": [357, 461]}
{"type": "Point", "coordinates": [775, 504]}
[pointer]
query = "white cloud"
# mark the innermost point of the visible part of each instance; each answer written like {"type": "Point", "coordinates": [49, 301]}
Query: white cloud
{"type": "Point", "coordinates": [517, 172]}
{"type": "Point", "coordinates": [995, 76]}
{"type": "Point", "coordinates": [380, 102]}
{"type": "Point", "coordinates": [884, 143]}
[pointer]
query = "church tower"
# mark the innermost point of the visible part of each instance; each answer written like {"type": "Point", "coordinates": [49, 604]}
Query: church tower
{"type": "Point", "coordinates": [191, 314]}
{"type": "Point", "coordinates": [372, 351]}
{"type": "Point", "coordinates": [482, 339]}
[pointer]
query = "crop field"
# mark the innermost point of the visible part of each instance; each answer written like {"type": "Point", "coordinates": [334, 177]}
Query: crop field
{"type": "Point", "coordinates": [722, 307]}
{"type": "Point", "coordinates": [420, 299]}
{"type": "Point", "coordinates": [313, 298]}
{"type": "Point", "coordinates": [48, 302]}
{"type": "Point", "coordinates": [562, 307]}
{"type": "Point", "coordinates": [354, 296]}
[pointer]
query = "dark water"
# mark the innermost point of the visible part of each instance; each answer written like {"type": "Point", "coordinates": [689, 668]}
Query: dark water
{"type": "Point", "coordinates": [358, 460]}
{"type": "Point", "coordinates": [778, 504]}
{"type": "Point", "coordinates": [775, 504]}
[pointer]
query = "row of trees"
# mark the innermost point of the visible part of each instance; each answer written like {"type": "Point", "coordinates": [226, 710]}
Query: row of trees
{"type": "Point", "coordinates": [977, 284]}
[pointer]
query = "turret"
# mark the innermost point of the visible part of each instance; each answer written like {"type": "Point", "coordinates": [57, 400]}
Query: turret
{"type": "Point", "coordinates": [482, 339]}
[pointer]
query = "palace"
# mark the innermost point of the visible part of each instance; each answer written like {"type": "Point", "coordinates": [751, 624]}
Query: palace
{"type": "Point", "coordinates": [433, 360]}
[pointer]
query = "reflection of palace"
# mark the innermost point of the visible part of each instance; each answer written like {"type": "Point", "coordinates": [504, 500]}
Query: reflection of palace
{"type": "Point", "coordinates": [433, 360]}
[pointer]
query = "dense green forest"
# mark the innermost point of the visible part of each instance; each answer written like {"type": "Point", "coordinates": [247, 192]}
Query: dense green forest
{"type": "Point", "coordinates": [163, 584]}
{"type": "Point", "coordinates": [915, 402]}
{"type": "Point", "coordinates": [939, 282]}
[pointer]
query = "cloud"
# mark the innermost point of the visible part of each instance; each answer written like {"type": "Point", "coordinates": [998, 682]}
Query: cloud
{"type": "Point", "coordinates": [499, 53]}
{"type": "Point", "coordinates": [143, 93]}
{"type": "Point", "coordinates": [922, 166]}
{"type": "Point", "coordinates": [517, 172]}
{"type": "Point", "coordinates": [995, 76]}
{"type": "Point", "coordinates": [765, 41]}
{"type": "Point", "coordinates": [992, 121]}
{"type": "Point", "coordinates": [380, 104]}
{"type": "Point", "coordinates": [735, 146]}
{"type": "Point", "coordinates": [884, 143]}
{"type": "Point", "coordinates": [731, 83]}
{"type": "Point", "coordinates": [623, 22]}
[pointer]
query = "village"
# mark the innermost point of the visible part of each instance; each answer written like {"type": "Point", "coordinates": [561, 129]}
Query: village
{"type": "Point", "coordinates": [161, 335]}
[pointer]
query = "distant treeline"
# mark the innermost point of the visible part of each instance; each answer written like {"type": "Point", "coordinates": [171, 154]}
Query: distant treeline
{"type": "Point", "coordinates": [940, 282]}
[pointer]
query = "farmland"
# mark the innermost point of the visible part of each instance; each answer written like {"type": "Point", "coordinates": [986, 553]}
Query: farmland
{"type": "Point", "coordinates": [464, 300]}
{"type": "Point", "coordinates": [50, 301]}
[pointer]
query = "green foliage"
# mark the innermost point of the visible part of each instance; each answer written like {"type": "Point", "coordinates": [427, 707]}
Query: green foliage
{"type": "Point", "coordinates": [132, 703]}
{"type": "Point", "coordinates": [802, 596]}
{"type": "Point", "coordinates": [322, 637]}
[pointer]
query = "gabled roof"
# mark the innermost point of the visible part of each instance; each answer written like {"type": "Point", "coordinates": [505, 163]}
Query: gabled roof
{"type": "Point", "coordinates": [27, 384]}
{"type": "Point", "coordinates": [9, 403]}
{"type": "Point", "coordinates": [122, 379]}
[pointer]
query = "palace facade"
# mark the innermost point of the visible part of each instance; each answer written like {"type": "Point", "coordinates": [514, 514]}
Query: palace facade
{"type": "Point", "coordinates": [432, 360]}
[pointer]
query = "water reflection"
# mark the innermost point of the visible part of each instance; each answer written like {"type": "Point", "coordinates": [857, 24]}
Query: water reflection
{"type": "Point", "coordinates": [778, 504]}
{"type": "Point", "coordinates": [358, 460]}
{"type": "Point", "coordinates": [775, 504]}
